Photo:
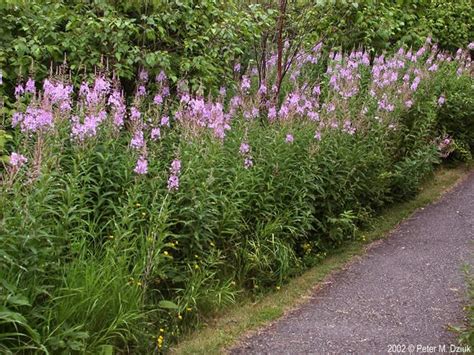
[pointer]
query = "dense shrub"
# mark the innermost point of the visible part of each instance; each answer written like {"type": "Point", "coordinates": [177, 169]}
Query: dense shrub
{"type": "Point", "coordinates": [383, 24]}
{"type": "Point", "coordinates": [194, 39]}
{"type": "Point", "coordinates": [200, 39]}
{"type": "Point", "coordinates": [123, 225]}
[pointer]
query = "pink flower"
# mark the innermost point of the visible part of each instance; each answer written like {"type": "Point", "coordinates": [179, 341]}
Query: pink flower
{"type": "Point", "coordinates": [330, 107]}
{"type": "Point", "coordinates": [441, 100]}
{"type": "Point", "coordinates": [137, 140]}
{"type": "Point", "coordinates": [143, 75]}
{"type": "Point", "coordinates": [117, 104]}
{"type": "Point", "coordinates": [317, 136]}
{"type": "Point", "coordinates": [434, 67]}
{"type": "Point", "coordinates": [17, 160]}
{"type": "Point", "coordinates": [30, 86]}
{"type": "Point", "coordinates": [88, 128]}
{"type": "Point", "coordinates": [248, 162]}
{"type": "Point", "coordinates": [173, 183]}
{"type": "Point", "coordinates": [142, 166]}
{"type": "Point", "coordinates": [135, 113]}
{"type": "Point", "coordinates": [19, 90]}
{"type": "Point", "coordinates": [317, 90]}
{"type": "Point", "coordinates": [173, 180]}
{"type": "Point", "coordinates": [60, 94]}
{"type": "Point", "coordinates": [36, 119]}
{"type": "Point", "coordinates": [158, 99]}
{"type": "Point", "coordinates": [313, 116]}
{"type": "Point", "coordinates": [141, 91]}
{"type": "Point", "coordinates": [289, 138]}
{"type": "Point", "coordinates": [272, 113]}
{"type": "Point", "coordinates": [165, 121]}
{"type": "Point", "coordinates": [155, 134]}
{"type": "Point", "coordinates": [17, 118]}
{"type": "Point", "coordinates": [244, 148]}
{"type": "Point", "coordinates": [415, 83]}
{"type": "Point", "coordinates": [161, 77]}
{"type": "Point", "coordinates": [245, 85]}
{"type": "Point", "coordinates": [175, 167]}
{"type": "Point", "coordinates": [348, 128]}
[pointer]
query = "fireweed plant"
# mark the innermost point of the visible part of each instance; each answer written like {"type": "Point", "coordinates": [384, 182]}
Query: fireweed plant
{"type": "Point", "coordinates": [124, 223]}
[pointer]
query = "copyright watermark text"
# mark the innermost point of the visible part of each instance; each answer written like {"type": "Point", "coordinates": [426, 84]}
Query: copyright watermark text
{"type": "Point", "coordinates": [427, 349]}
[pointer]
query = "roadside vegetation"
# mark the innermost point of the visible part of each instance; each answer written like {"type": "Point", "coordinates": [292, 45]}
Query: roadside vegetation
{"type": "Point", "coordinates": [162, 159]}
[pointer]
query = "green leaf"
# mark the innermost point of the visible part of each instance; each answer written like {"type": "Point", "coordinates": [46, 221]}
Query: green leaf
{"type": "Point", "coordinates": [167, 304]}
{"type": "Point", "coordinates": [18, 300]}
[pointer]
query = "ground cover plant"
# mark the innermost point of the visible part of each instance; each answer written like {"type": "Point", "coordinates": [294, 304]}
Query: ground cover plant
{"type": "Point", "coordinates": [124, 222]}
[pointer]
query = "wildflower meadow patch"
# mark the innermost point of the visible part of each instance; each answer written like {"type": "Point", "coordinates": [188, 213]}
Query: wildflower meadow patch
{"type": "Point", "coordinates": [127, 220]}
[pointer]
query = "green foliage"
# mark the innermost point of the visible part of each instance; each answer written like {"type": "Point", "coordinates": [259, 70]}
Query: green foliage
{"type": "Point", "coordinates": [385, 24]}
{"type": "Point", "coordinates": [189, 39]}
{"type": "Point", "coordinates": [4, 138]}
{"type": "Point", "coordinates": [456, 116]}
{"type": "Point", "coordinates": [465, 332]}
{"type": "Point", "coordinates": [95, 258]}
{"type": "Point", "coordinates": [200, 40]}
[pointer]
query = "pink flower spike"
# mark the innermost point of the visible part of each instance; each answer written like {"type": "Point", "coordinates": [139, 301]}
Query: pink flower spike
{"type": "Point", "coordinates": [244, 148]}
{"type": "Point", "coordinates": [173, 183]}
{"type": "Point", "coordinates": [30, 86]}
{"type": "Point", "coordinates": [165, 121]}
{"type": "Point", "coordinates": [441, 100]}
{"type": "Point", "coordinates": [142, 166]}
{"type": "Point", "coordinates": [289, 138]}
{"type": "Point", "coordinates": [161, 77]}
{"type": "Point", "coordinates": [175, 167]}
{"type": "Point", "coordinates": [248, 163]}
{"type": "Point", "coordinates": [155, 134]}
{"type": "Point", "coordinates": [17, 160]}
{"type": "Point", "coordinates": [19, 90]}
{"type": "Point", "coordinates": [158, 99]}
{"type": "Point", "coordinates": [143, 75]}
{"type": "Point", "coordinates": [137, 140]}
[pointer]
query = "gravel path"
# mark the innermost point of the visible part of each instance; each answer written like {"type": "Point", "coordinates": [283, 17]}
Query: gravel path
{"type": "Point", "coordinates": [404, 291]}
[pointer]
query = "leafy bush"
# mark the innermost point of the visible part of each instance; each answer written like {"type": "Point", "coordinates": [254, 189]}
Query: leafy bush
{"type": "Point", "coordinates": [194, 39]}
{"type": "Point", "coordinates": [381, 25]}
{"type": "Point", "coordinates": [199, 40]}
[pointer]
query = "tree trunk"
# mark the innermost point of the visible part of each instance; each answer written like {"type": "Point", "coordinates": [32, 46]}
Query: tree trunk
{"type": "Point", "coordinates": [281, 19]}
